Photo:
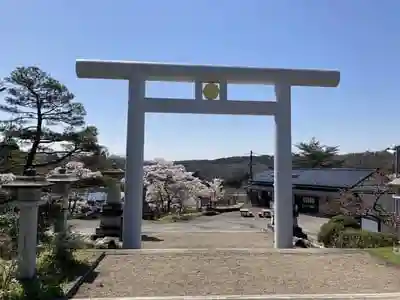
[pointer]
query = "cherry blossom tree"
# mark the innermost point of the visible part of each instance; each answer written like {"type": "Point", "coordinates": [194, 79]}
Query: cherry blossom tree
{"type": "Point", "coordinates": [217, 189]}
{"type": "Point", "coordinates": [77, 169]}
{"type": "Point", "coordinates": [5, 196]}
{"type": "Point", "coordinates": [77, 203]}
{"type": "Point", "coordinates": [6, 178]}
{"type": "Point", "coordinates": [353, 204]}
{"type": "Point", "coordinates": [169, 185]}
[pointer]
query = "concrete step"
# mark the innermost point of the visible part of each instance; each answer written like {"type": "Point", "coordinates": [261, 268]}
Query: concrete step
{"type": "Point", "coordinates": [380, 296]}
{"type": "Point", "coordinates": [240, 250]}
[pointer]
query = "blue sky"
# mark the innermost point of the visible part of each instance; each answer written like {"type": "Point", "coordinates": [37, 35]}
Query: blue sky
{"type": "Point", "coordinates": [361, 38]}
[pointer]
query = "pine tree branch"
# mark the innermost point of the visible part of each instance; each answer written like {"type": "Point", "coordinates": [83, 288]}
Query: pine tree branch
{"type": "Point", "coordinates": [58, 160]}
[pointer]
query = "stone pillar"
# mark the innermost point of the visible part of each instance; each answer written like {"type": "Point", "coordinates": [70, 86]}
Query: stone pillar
{"type": "Point", "coordinates": [111, 216]}
{"type": "Point", "coordinates": [133, 205]}
{"type": "Point", "coordinates": [62, 182]}
{"type": "Point", "coordinates": [28, 199]}
{"type": "Point", "coordinates": [283, 203]}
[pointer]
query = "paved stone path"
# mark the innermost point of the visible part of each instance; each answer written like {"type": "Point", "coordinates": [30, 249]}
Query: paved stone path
{"type": "Point", "coordinates": [208, 259]}
{"type": "Point", "coordinates": [206, 272]}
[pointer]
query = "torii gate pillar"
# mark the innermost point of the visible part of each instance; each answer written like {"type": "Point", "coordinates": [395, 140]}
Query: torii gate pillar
{"type": "Point", "coordinates": [137, 73]}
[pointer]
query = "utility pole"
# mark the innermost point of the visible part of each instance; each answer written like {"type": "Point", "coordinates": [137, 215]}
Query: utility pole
{"type": "Point", "coordinates": [397, 161]}
{"type": "Point", "coordinates": [395, 151]}
{"type": "Point", "coordinates": [251, 165]}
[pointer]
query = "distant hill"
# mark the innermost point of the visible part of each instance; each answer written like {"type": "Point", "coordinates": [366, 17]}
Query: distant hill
{"type": "Point", "coordinates": [237, 166]}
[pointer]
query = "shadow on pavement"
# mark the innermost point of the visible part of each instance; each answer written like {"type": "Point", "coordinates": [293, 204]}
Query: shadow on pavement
{"type": "Point", "coordinates": [146, 238]}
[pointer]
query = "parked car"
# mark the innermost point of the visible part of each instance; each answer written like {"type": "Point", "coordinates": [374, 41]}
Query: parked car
{"type": "Point", "coordinates": [265, 213]}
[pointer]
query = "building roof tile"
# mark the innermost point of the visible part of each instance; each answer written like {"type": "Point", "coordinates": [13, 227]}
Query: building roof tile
{"type": "Point", "coordinates": [327, 177]}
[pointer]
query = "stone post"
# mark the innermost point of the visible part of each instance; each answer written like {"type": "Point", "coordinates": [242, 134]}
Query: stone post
{"type": "Point", "coordinates": [111, 216]}
{"type": "Point", "coordinates": [62, 183]}
{"type": "Point", "coordinates": [28, 189]}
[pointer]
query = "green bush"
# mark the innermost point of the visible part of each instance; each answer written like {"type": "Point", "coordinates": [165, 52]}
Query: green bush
{"type": "Point", "coordinates": [8, 233]}
{"type": "Point", "coordinates": [351, 238]}
{"type": "Point", "coordinates": [36, 289]}
{"type": "Point", "coordinates": [56, 264]}
{"type": "Point", "coordinates": [330, 231]}
{"type": "Point", "coordinates": [346, 221]}
{"type": "Point", "coordinates": [9, 287]}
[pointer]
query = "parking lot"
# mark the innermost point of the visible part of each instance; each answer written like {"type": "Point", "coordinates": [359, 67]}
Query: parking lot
{"type": "Point", "coordinates": [231, 221]}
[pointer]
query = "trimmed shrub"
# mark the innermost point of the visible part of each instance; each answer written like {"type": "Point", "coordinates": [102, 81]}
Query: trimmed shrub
{"type": "Point", "coordinates": [346, 221]}
{"type": "Point", "coordinates": [351, 238]}
{"type": "Point", "coordinates": [330, 231]}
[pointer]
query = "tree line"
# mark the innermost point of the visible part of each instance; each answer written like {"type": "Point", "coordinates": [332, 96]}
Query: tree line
{"type": "Point", "coordinates": [309, 154]}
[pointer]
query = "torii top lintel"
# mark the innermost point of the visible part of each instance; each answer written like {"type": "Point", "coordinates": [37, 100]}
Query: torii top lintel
{"type": "Point", "coordinates": [107, 69]}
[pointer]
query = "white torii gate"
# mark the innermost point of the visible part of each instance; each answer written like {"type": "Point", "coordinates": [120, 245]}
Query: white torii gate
{"type": "Point", "coordinates": [137, 73]}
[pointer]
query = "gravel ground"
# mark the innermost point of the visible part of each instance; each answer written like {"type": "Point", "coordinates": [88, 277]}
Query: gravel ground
{"type": "Point", "coordinates": [238, 272]}
{"type": "Point", "coordinates": [209, 240]}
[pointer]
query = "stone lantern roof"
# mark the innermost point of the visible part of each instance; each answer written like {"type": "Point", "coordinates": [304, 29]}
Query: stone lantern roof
{"type": "Point", "coordinates": [31, 184]}
{"type": "Point", "coordinates": [29, 181]}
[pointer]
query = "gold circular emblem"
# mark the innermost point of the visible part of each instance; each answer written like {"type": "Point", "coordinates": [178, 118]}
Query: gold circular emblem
{"type": "Point", "coordinates": [211, 91]}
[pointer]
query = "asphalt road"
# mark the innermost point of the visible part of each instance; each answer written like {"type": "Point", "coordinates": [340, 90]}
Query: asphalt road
{"type": "Point", "coordinates": [224, 222]}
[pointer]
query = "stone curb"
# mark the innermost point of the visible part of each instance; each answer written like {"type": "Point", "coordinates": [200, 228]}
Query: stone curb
{"type": "Point", "coordinates": [199, 231]}
{"type": "Point", "coordinates": [73, 288]}
{"type": "Point", "coordinates": [262, 297]}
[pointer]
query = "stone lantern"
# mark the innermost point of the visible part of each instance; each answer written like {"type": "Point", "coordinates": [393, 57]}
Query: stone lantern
{"type": "Point", "coordinates": [29, 190]}
{"type": "Point", "coordinates": [62, 183]}
{"type": "Point", "coordinates": [111, 216]}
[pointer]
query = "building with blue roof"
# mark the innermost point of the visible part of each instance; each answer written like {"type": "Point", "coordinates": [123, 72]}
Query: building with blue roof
{"type": "Point", "coordinates": [315, 190]}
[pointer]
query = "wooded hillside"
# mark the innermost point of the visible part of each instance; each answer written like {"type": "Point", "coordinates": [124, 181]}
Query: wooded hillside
{"type": "Point", "coordinates": [236, 166]}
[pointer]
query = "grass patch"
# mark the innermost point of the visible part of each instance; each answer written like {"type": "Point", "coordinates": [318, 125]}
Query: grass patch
{"type": "Point", "coordinates": [54, 273]}
{"type": "Point", "coordinates": [86, 256]}
{"type": "Point", "coordinates": [78, 266]}
{"type": "Point", "coordinates": [386, 254]}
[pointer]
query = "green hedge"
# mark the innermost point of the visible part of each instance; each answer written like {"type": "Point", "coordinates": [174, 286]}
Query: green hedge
{"type": "Point", "coordinates": [346, 221]}
{"type": "Point", "coordinates": [345, 232]}
{"type": "Point", "coordinates": [330, 231]}
{"type": "Point", "coordinates": [364, 239]}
